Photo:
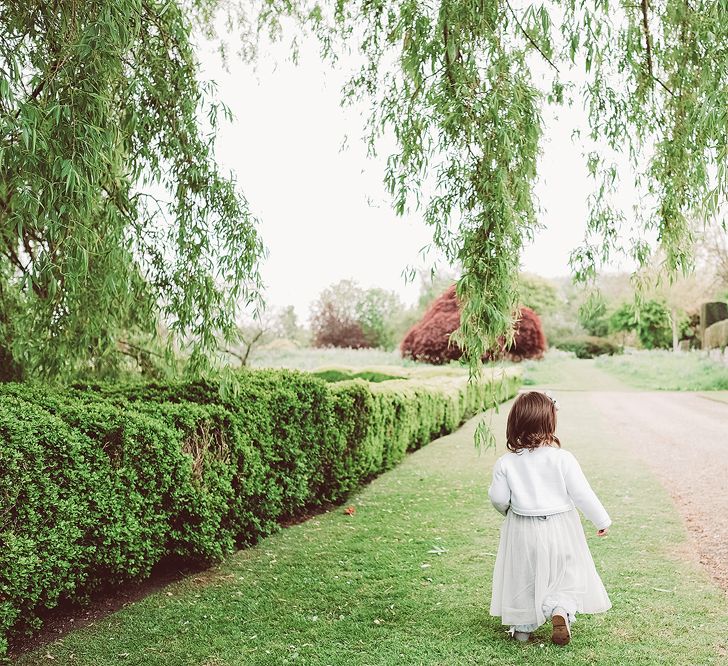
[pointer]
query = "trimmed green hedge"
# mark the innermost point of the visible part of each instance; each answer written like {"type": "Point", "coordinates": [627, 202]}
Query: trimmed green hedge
{"type": "Point", "coordinates": [588, 346]}
{"type": "Point", "coordinates": [335, 375]}
{"type": "Point", "coordinates": [99, 483]}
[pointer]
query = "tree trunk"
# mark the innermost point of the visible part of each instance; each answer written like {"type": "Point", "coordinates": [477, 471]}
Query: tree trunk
{"type": "Point", "coordinates": [675, 332]}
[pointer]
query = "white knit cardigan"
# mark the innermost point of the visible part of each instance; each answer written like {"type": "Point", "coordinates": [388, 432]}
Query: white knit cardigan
{"type": "Point", "coordinates": [542, 482]}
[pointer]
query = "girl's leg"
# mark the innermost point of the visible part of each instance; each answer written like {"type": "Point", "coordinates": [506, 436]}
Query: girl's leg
{"type": "Point", "coordinates": [561, 609]}
{"type": "Point", "coordinates": [522, 632]}
{"type": "Point", "coordinates": [562, 602]}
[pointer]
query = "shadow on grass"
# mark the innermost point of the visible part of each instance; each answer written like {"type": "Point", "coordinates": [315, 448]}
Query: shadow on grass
{"type": "Point", "coordinates": [68, 617]}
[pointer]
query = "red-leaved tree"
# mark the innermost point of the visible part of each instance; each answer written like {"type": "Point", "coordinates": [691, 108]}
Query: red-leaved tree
{"type": "Point", "coordinates": [429, 339]}
{"type": "Point", "coordinates": [333, 328]}
{"type": "Point", "coordinates": [529, 340]}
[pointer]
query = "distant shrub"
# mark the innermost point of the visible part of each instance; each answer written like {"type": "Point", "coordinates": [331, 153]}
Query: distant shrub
{"type": "Point", "coordinates": [529, 340]}
{"type": "Point", "coordinates": [333, 328]}
{"type": "Point", "coordinates": [429, 339]}
{"type": "Point", "coordinates": [344, 375]}
{"type": "Point", "coordinates": [99, 482]}
{"type": "Point", "coordinates": [588, 346]}
{"type": "Point", "coordinates": [651, 323]}
{"type": "Point", "coordinates": [538, 293]}
{"type": "Point", "coordinates": [593, 318]}
{"type": "Point", "coordinates": [345, 315]}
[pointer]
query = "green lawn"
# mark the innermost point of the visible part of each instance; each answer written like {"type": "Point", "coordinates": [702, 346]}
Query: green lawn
{"type": "Point", "coordinates": [558, 370]}
{"type": "Point", "coordinates": [406, 579]}
{"type": "Point", "coordinates": [668, 371]}
{"type": "Point", "coordinates": [309, 359]}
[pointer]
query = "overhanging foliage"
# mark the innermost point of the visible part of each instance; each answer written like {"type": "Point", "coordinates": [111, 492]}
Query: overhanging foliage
{"type": "Point", "coordinates": [113, 212]}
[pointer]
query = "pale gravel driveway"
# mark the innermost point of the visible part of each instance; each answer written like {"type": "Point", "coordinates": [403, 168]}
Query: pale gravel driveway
{"type": "Point", "coordinates": [681, 436]}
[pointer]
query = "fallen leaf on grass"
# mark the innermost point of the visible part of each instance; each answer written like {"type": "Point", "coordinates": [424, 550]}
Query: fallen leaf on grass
{"type": "Point", "coordinates": [437, 550]}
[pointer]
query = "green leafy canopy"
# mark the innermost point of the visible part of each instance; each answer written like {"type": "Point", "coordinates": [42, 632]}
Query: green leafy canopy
{"type": "Point", "coordinates": [114, 217]}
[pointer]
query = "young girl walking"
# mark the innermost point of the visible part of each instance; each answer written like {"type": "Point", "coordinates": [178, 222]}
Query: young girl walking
{"type": "Point", "coordinates": [543, 568]}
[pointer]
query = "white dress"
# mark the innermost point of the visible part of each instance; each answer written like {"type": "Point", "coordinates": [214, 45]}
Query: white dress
{"type": "Point", "coordinates": [543, 561]}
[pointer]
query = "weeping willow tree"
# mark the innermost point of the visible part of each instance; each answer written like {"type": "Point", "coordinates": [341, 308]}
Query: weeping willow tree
{"type": "Point", "coordinates": [462, 86]}
{"type": "Point", "coordinates": [115, 220]}
{"type": "Point", "coordinates": [102, 108]}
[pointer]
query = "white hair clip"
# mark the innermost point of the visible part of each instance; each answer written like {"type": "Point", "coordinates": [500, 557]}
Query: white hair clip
{"type": "Point", "coordinates": [552, 399]}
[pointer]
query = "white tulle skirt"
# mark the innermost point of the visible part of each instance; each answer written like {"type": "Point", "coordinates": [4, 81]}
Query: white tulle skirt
{"type": "Point", "coordinates": [543, 564]}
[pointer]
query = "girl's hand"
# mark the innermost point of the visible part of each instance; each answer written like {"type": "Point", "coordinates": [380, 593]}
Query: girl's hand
{"type": "Point", "coordinates": [603, 532]}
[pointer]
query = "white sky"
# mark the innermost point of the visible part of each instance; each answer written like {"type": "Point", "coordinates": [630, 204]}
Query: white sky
{"type": "Point", "coordinates": [324, 213]}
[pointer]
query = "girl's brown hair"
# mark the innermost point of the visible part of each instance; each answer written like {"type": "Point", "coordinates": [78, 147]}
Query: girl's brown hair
{"type": "Point", "coordinates": [532, 422]}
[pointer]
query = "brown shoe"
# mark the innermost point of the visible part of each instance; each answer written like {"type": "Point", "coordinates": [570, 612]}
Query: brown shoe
{"type": "Point", "coordinates": [560, 629]}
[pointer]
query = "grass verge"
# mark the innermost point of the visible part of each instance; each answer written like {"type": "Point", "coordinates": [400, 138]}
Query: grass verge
{"type": "Point", "coordinates": [668, 371]}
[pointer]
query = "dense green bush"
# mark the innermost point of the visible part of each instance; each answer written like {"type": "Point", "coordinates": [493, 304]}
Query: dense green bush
{"type": "Point", "coordinates": [593, 318]}
{"type": "Point", "coordinates": [651, 323]}
{"type": "Point", "coordinates": [81, 506]}
{"type": "Point", "coordinates": [587, 346]}
{"type": "Point", "coordinates": [99, 483]}
{"type": "Point", "coordinates": [334, 375]}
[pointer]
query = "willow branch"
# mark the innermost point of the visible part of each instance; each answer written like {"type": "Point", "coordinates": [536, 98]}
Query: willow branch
{"type": "Point", "coordinates": [136, 348]}
{"type": "Point", "coordinates": [648, 40]}
{"type": "Point", "coordinates": [529, 38]}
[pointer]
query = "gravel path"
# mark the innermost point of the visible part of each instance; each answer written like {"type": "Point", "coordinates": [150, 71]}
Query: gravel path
{"type": "Point", "coordinates": [683, 438]}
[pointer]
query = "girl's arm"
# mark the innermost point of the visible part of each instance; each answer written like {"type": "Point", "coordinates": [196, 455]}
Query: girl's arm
{"type": "Point", "coordinates": [584, 497]}
{"type": "Point", "coordinates": [499, 491]}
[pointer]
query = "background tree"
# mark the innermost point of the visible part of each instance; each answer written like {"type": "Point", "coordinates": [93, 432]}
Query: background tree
{"type": "Point", "coordinates": [288, 327]}
{"type": "Point", "coordinates": [538, 293]}
{"type": "Point", "coordinates": [377, 311]}
{"type": "Point", "coordinates": [623, 319]}
{"type": "Point", "coordinates": [330, 328]}
{"type": "Point", "coordinates": [334, 319]}
{"type": "Point", "coordinates": [651, 321]}
{"type": "Point", "coordinates": [682, 298]}
{"type": "Point", "coordinates": [113, 213]}
{"type": "Point", "coordinates": [715, 247]}
{"type": "Point", "coordinates": [593, 318]}
{"type": "Point", "coordinates": [345, 315]}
